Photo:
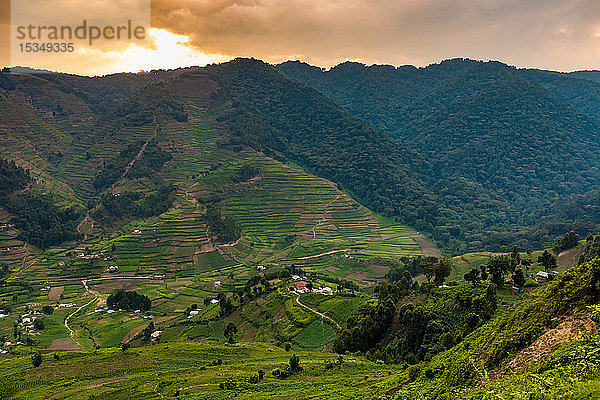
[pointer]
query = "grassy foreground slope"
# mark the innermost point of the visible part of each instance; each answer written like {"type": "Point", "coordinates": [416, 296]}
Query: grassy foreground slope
{"type": "Point", "coordinates": [542, 347]}
{"type": "Point", "coordinates": [190, 371]}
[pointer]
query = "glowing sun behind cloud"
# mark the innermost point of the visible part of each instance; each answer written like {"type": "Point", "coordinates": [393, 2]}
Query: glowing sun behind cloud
{"type": "Point", "coordinates": [167, 50]}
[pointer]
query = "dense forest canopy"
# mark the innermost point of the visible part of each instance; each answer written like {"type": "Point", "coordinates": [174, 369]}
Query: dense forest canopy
{"type": "Point", "coordinates": [502, 149]}
{"type": "Point", "coordinates": [40, 222]}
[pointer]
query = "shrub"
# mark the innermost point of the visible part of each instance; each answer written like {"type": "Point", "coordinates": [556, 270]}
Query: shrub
{"type": "Point", "coordinates": [36, 359]}
{"type": "Point", "coordinates": [229, 384]}
{"type": "Point", "coordinates": [39, 324]}
{"type": "Point", "coordinates": [48, 310]}
{"type": "Point", "coordinates": [413, 372]}
{"type": "Point", "coordinates": [461, 372]}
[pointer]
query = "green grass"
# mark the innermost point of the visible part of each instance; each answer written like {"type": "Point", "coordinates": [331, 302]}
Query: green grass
{"type": "Point", "coordinates": [146, 372]}
{"type": "Point", "coordinates": [315, 336]}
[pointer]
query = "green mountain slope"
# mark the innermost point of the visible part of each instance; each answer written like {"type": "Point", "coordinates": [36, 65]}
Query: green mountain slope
{"type": "Point", "coordinates": [498, 147]}
{"type": "Point", "coordinates": [173, 133]}
{"type": "Point", "coordinates": [207, 192]}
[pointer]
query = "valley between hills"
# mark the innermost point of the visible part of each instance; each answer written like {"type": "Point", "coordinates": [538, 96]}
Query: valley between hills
{"type": "Point", "coordinates": [247, 230]}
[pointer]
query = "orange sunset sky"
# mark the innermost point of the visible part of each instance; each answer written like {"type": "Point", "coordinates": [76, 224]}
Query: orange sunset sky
{"type": "Point", "coordinates": [549, 34]}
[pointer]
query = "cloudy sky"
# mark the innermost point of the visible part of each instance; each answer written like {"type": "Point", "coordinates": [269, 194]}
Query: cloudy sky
{"type": "Point", "coordinates": [552, 34]}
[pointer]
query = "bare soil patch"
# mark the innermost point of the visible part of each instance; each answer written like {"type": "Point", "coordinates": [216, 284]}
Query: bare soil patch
{"type": "Point", "coordinates": [279, 315]}
{"type": "Point", "coordinates": [569, 328]}
{"type": "Point", "coordinates": [426, 246]}
{"type": "Point", "coordinates": [358, 276]}
{"type": "Point", "coordinates": [131, 334]}
{"type": "Point", "coordinates": [569, 257]}
{"type": "Point", "coordinates": [379, 270]}
{"type": "Point", "coordinates": [63, 344]}
{"type": "Point", "coordinates": [55, 293]}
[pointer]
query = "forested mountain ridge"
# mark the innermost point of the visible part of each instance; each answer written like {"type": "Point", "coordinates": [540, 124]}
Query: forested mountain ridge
{"type": "Point", "coordinates": [478, 155]}
{"type": "Point", "coordinates": [294, 122]}
{"type": "Point", "coordinates": [182, 145]}
{"type": "Point", "coordinates": [501, 148]}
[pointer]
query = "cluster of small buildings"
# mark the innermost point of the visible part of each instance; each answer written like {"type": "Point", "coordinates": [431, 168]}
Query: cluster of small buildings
{"type": "Point", "coordinates": [111, 311]}
{"type": "Point", "coordinates": [301, 287]}
{"type": "Point", "coordinates": [27, 321]}
{"type": "Point", "coordinates": [66, 305]}
{"type": "Point", "coordinates": [106, 310]}
{"type": "Point", "coordinates": [113, 269]}
{"type": "Point", "coordinates": [89, 256]}
{"type": "Point", "coordinates": [9, 344]}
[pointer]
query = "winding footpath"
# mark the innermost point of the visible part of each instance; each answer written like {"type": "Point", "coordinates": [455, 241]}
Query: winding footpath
{"type": "Point", "coordinates": [71, 332]}
{"type": "Point", "coordinates": [95, 299]}
{"type": "Point", "coordinates": [323, 316]}
{"type": "Point", "coordinates": [324, 216]}
{"type": "Point", "coordinates": [323, 254]}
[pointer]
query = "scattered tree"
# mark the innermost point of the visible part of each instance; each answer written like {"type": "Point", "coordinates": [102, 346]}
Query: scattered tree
{"type": "Point", "coordinates": [568, 241]}
{"type": "Point", "coordinates": [230, 331]}
{"type": "Point", "coordinates": [473, 276]}
{"type": "Point", "coordinates": [36, 359]}
{"type": "Point", "coordinates": [519, 278]}
{"type": "Point", "coordinates": [39, 324]}
{"type": "Point", "coordinates": [442, 270]}
{"type": "Point", "coordinates": [295, 363]}
{"type": "Point", "coordinates": [498, 267]}
{"type": "Point", "coordinates": [48, 310]}
{"type": "Point", "coordinates": [547, 260]}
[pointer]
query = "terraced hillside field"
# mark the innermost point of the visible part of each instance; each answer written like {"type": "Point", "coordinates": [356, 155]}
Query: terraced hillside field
{"type": "Point", "coordinates": [289, 218]}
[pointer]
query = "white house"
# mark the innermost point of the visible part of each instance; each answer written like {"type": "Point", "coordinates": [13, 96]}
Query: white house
{"type": "Point", "coordinates": [155, 335]}
{"type": "Point", "coordinates": [541, 276]}
{"type": "Point", "coordinates": [327, 290]}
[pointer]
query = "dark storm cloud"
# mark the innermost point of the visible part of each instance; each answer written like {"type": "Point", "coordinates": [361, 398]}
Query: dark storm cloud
{"type": "Point", "coordinates": [553, 34]}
